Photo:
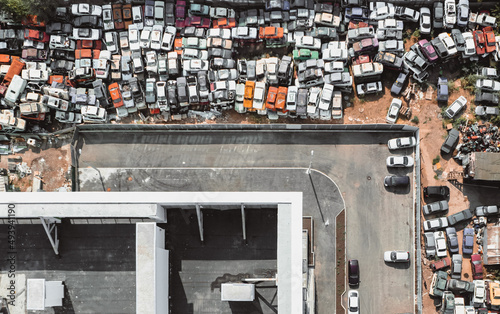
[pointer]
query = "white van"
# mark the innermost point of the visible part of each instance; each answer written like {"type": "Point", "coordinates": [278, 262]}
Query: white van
{"type": "Point", "coordinates": [16, 87]}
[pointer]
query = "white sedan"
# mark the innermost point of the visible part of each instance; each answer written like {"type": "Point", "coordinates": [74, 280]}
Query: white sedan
{"type": "Point", "coordinates": [393, 112]}
{"type": "Point", "coordinates": [400, 161]}
{"type": "Point", "coordinates": [308, 42]}
{"type": "Point", "coordinates": [397, 256]}
{"type": "Point", "coordinates": [440, 243]}
{"type": "Point", "coordinates": [402, 142]}
{"type": "Point", "coordinates": [353, 302]}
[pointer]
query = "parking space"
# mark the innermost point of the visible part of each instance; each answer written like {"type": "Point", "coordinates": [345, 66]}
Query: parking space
{"type": "Point", "coordinates": [377, 219]}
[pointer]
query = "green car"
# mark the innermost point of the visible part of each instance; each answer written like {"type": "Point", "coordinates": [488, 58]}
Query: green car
{"type": "Point", "coordinates": [438, 284]}
{"type": "Point", "coordinates": [305, 54]}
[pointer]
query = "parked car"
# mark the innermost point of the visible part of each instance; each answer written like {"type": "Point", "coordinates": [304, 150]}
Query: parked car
{"type": "Point", "coordinates": [428, 50]}
{"type": "Point", "coordinates": [456, 266]}
{"type": "Point", "coordinates": [462, 13]}
{"type": "Point", "coordinates": [486, 210]}
{"type": "Point", "coordinates": [438, 20]}
{"type": "Point", "coordinates": [442, 90]}
{"type": "Point", "coordinates": [369, 88]}
{"type": "Point", "coordinates": [456, 106]}
{"type": "Point", "coordinates": [476, 266]}
{"type": "Point", "coordinates": [399, 161]}
{"type": "Point", "coordinates": [397, 256]}
{"type": "Point", "coordinates": [440, 244]}
{"type": "Point", "coordinates": [353, 271]}
{"type": "Point", "coordinates": [452, 240]}
{"type": "Point", "coordinates": [450, 13]}
{"type": "Point", "coordinates": [468, 240]}
{"type": "Point", "coordinates": [399, 83]}
{"type": "Point", "coordinates": [353, 297]}
{"type": "Point", "coordinates": [440, 207]}
{"type": "Point", "coordinates": [460, 286]}
{"type": "Point", "coordinates": [450, 142]}
{"type": "Point", "coordinates": [435, 224]}
{"type": "Point", "coordinates": [479, 42]}
{"type": "Point", "coordinates": [459, 217]}
{"type": "Point", "coordinates": [393, 112]}
{"type": "Point", "coordinates": [437, 191]}
{"type": "Point", "coordinates": [395, 181]}
{"type": "Point", "coordinates": [425, 20]}
{"type": "Point", "coordinates": [402, 142]}
{"type": "Point", "coordinates": [438, 284]}
{"type": "Point", "coordinates": [441, 264]}
{"type": "Point", "coordinates": [430, 244]}
{"type": "Point", "coordinates": [488, 85]}
{"type": "Point", "coordinates": [479, 297]}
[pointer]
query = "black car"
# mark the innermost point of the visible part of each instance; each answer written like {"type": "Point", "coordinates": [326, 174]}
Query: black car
{"type": "Point", "coordinates": [353, 270]}
{"type": "Point", "coordinates": [450, 142]}
{"type": "Point", "coordinates": [390, 181]}
{"type": "Point", "coordinates": [88, 21]}
{"type": "Point", "coordinates": [440, 191]}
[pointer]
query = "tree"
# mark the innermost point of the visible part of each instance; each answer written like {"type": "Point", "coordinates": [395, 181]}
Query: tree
{"type": "Point", "coordinates": [44, 10]}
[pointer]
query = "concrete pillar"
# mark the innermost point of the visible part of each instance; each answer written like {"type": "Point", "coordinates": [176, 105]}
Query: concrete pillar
{"type": "Point", "coordinates": [199, 214]}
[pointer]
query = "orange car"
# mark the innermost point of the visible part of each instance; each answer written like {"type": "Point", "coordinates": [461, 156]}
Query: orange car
{"type": "Point", "coordinates": [489, 35]}
{"type": "Point", "coordinates": [271, 32]}
{"type": "Point", "coordinates": [248, 97]}
{"type": "Point", "coordinates": [4, 59]}
{"type": "Point", "coordinates": [281, 99]}
{"type": "Point", "coordinates": [272, 94]}
{"type": "Point", "coordinates": [116, 95]}
{"type": "Point", "coordinates": [56, 78]}
{"type": "Point", "coordinates": [178, 45]}
{"type": "Point", "coordinates": [127, 15]}
{"type": "Point", "coordinates": [224, 23]}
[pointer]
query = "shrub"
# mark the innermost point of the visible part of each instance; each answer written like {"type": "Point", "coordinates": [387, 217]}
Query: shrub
{"type": "Point", "coordinates": [436, 160]}
{"type": "Point", "coordinates": [415, 120]}
{"type": "Point", "coordinates": [416, 33]}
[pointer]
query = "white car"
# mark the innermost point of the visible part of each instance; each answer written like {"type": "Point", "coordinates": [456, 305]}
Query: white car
{"type": "Point", "coordinates": [448, 43]}
{"type": "Point", "coordinates": [326, 97]}
{"type": "Point", "coordinates": [488, 85]}
{"type": "Point", "coordinates": [107, 17]}
{"type": "Point", "coordinates": [168, 38]}
{"type": "Point", "coordinates": [394, 46]}
{"type": "Point", "coordinates": [35, 75]}
{"type": "Point", "coordinates": [393, 112]}
{"type": "Point", "coordinates": [111, 42]}
{"type": "Point", "coordinates": [400, 161]}
{"type": "Point", "coordinates": [450, 13]}
{"type": "Point", "coordinates": [353, 298]}
{"type": "Point", "coordinates": [397, 256]}
{"type": "Point", "coordinates": [156, 35]}
{"type": "Point", "coordinates": [133, 38]}
{"type": "Point", "coordinates": [308, 42]}
{"type": "Point", "coordinates": [93, 114]}
{"type": "Point", "coordinates": [86, 34]}
{"type": "Point", "coordinates": [479, 293]}
{"type": "Point", "coordinates": [455, 107]}
{"type": "Point", "coordinates": [470, 48]}
{"type": "Point", "coordinates": [146, 37]}
{"type": "Point", "coordinates": [402, 142]}
{"type": "Point", "coordinates": [435, 224]}
{"type": "Point", "coordinates": [440, 244]}
{"type": "Point", "coordinates": [151, 62]}
{"type": "Point", "coordinates": [391, 24]}
{"type": "Point", "coordinates": [86, 9]}
{"type": "Point", "coordinates": [367, 69]}
{"type": "Point", "coordinates": [425, 20]}
{"type": "Point", "coordinates": [223, 33]}
{"type": "Point", "coordinates": [462, 13]}
{"type": "Point", "coordinates": [259, 95]}
{"type": "Point", "coordinates": [382, 13]}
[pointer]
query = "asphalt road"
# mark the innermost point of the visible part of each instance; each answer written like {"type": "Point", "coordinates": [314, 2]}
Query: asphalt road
{"type": "Point", "coordinates": [377, 219]}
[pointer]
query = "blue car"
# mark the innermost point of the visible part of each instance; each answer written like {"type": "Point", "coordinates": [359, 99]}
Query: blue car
{"type": "Point", "coordinates": [468, 244]}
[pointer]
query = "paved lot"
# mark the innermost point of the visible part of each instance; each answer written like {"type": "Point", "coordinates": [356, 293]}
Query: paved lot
{"type": "Point", "coordinates": [377, 220]}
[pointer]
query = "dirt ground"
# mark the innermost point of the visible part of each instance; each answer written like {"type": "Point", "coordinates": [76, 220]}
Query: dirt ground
{"type": "Point", "coordinates": [51, 165]}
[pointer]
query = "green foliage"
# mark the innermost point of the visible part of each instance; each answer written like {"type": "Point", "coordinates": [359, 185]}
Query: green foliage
{"type": "Point", "coordinates": [43, 9]}
{"type": "Point", "coordinates": [495, 120]}
{"type": "Point", "coordinates": [436, 160]}
{"type": "Point", "coordinates": [451, 87]}
{"type": "Point", "coordinates": [416, 33]}
{"type": "Point", "coordinates": [469, 82]}
{"type": "Point", "coordinates": [459, 121]}
{"type": "Point", "coordinates": [415, 120]}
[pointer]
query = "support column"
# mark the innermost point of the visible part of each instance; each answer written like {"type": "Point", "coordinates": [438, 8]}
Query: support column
{"type": "Point", "coordinates": [243, 222]}
{"type": "Point", "coordinates": [50, 224]}
{"type": "Point", "coordinates": [199, 214]}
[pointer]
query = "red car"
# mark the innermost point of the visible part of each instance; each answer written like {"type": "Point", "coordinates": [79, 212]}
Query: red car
{"type": "Point", "coordinates": [36, 35]}
{"type": "Point", "coordinates": [442, 263]}
{"type": "Point", "coordinates": [479, 41]}
{"type": "Point", "coordinates": [180, 10]}
{"type": "Point", "coordinates": [118, 16]}
{"type": "Point", "coordinates": [197, 21]}
{"type": "Point", "coordinates": [490, 39]}
{"type": "Point", "coordinates": [477, 266]}
{"type": "Point", "coordinates": [225, 23]}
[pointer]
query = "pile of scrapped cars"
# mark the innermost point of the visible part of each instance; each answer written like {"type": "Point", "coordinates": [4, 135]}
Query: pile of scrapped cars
{"type": "Point", "coordinates": [93, 64]}
{"type": "Point", "coordinates": [441, 241]}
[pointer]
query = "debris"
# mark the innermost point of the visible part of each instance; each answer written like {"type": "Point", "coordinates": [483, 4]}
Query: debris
{"type": "Point", "coordinates": [23, 169]}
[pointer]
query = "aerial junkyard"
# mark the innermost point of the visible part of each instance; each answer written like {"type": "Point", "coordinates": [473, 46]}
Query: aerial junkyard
{"type": "Point", "coordinates": [431, 65]}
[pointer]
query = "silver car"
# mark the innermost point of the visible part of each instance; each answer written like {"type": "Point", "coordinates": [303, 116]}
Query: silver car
{"type": "Point", "coordinates": [400, 161]}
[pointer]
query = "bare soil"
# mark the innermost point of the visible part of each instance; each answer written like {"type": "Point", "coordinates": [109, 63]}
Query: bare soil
{"type": "Point", "coordinates": [340, 268]}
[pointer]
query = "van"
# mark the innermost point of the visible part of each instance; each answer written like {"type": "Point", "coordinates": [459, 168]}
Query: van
{"type": "Point", "coordinates": [16, 87]}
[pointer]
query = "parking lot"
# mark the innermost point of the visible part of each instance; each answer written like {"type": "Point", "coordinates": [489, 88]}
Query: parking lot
{"type": "Point", "coordinates": [377, 220]}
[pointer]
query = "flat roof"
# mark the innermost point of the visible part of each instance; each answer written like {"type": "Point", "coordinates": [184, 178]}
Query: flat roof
{"type": "Point", "coordinates": [486, 166]}
{"type": "Point", "coordinates": [492, 250]}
